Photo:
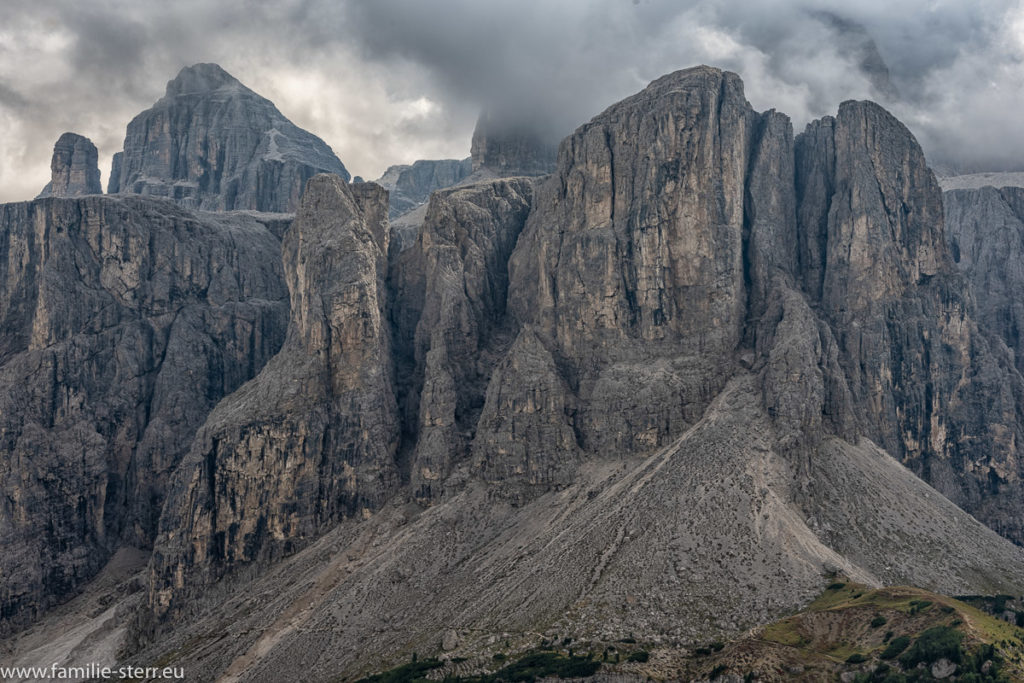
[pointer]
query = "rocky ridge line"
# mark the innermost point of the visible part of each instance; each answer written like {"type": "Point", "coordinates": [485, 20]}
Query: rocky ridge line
{"type": "Point", "coordinates": [211, 143]}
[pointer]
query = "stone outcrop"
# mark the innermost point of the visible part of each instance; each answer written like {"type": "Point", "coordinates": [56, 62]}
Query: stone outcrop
{"type": "Point", "coordinates": [312, 439]}
{"type": "Point", "coordinates": [985, 229]}
{"type": "Point", "coordinates": [631, 268]}
{"type": "Point", "coordinates": [410, 185]}
{"type": "Point", "coordinates": [506, 146]}
{"type": "Point", "coordinates": [212, 143]}
{"type": "Point", "coordinates": [74, 169]}
{"type": "Point", "coordinates": [917, 366]}
{"type": "Point", "coordinates": [452, 285]}
{"type": "Point", "coordinates": [122, 322]}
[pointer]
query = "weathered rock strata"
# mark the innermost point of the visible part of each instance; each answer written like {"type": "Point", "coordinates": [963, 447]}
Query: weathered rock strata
{"type": "Point", "coordinates": [122, 322]}
{"type": "Point", "coordinates": [74, 169]}
{"type": "Point", "coordinates": [985, 229]}
{"type": "Point", "coordinates": [667, 362]}
{"type": "Point", "coordinates": [214, 144]}
{"type": "Point", "coordinates": [917, 367]}
{"type": "Point", "coordinates": [631, 266]}
{"type": "Point", "coordinates": [313, 438]}
{"type": "Point", "coordinates": [452, 286]}
{"type": "Point", "coordinates": [411, 185]}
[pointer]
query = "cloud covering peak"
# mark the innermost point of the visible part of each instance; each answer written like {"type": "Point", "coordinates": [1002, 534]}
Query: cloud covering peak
{"type": "Point", "coordinates": [391, 81]}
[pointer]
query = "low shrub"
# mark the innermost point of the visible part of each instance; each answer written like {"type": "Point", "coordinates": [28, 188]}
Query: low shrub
{"type": "Point", "coordinates": [895, 647]}
{"type": "Point", "coordinates": [407, 672]}
{"type": "Point", "coordinates": [938, 642]}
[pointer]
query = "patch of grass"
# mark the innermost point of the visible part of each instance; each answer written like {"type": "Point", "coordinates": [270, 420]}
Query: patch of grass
{"type": "Point", "coordinates": [785, 632]}
{"type": "Point", "coordinates": [413, 671]}
{"type": "Point", "coordinates": [526, 669]}
{"type": "Point", "coordinates": [541, 664]}
{"type": "Point", "coordinates": [918, 606]}
{"type": "Point", "coordinates": [835, 594]}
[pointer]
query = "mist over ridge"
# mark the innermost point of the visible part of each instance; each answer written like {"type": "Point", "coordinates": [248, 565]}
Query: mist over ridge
{"type": "Point", "coordinates": [393, 81]}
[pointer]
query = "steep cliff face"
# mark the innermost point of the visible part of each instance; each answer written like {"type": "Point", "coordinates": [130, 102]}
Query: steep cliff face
{"type": "Point", "coordinates": [73, 168]}
{"type": "Point", "coordinates": [312, 439]}
{"type": "Point", "coordinates": [122, 322]}
{"type": "Point", "coordinates": [214, 144]}
{"type": "Point", "coordinates": [690, 357]}
{"type": "Point", "coordinates": [452, 287]}
{"type": "Point", "coordinates": [410, 185]}
{"type": "Point", "coordinates": [985, 229]}
{"type": "Point", "coordinates": [926, 383]}
{"type": "Point", "coordinates": [631, 266]}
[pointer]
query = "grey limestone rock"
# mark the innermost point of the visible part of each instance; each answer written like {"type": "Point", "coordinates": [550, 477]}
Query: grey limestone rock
{"type": "Point", "coordinates": [916, 364]}
{"type": "Point", "coordinates": [410, 185]}
{"type": "Point", "coordinates": [74, 168]}
{"type": "Point", "coordinates": [122, 322]}
{"type": "Point", "coordinates": [312, 439]}
{"type": "Point", "coordinates": [668, 362]}
{"type": "Point", "coordinates": [693, 356]}
{"type": "Point", "coordinates": [631, 266]}
{"type": "Point", "coordinates": [985, 229]}
{"type": "Point", "coordinates": [452, 285]}
{"type": "Point", "coordinates": [694, 541]}
{"type": "Point", "coordinates": [214, 144]}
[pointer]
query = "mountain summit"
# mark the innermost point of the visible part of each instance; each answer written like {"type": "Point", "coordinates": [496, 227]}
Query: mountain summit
{"type": "Point", "coordinates": [661, 395]}
{"type": "Point", "coordinates": [212, 143]}
{"type": "Point", "coordinates": [202, 78]}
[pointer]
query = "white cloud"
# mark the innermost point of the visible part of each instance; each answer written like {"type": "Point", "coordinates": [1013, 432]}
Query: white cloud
{"type": "Point", "coordinates": [396, 80]}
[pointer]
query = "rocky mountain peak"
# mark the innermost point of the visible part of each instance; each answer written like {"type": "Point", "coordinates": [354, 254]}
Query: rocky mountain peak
{"type": "Point", "coordinates": [211, 143]}
{"type": "Point", "coordinates": [73, 167]}
{"type": "Point", "coordinates": [201, 78]}
{"type": "Point", "coordinates": [694, 355]}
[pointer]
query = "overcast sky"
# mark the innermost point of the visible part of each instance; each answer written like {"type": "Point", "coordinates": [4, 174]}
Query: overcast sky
{"type": "Point", "coordinates": [391, 81]}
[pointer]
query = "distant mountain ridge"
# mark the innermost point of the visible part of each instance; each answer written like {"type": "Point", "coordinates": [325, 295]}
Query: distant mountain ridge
{"type": "Point", "coordinates": [211, 143]}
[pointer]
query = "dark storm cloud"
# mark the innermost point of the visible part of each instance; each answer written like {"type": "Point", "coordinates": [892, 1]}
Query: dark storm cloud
{"type": "Point", "coordinates": [388, 81]}
{"type": "Point", "coordinates": [569, 59]}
